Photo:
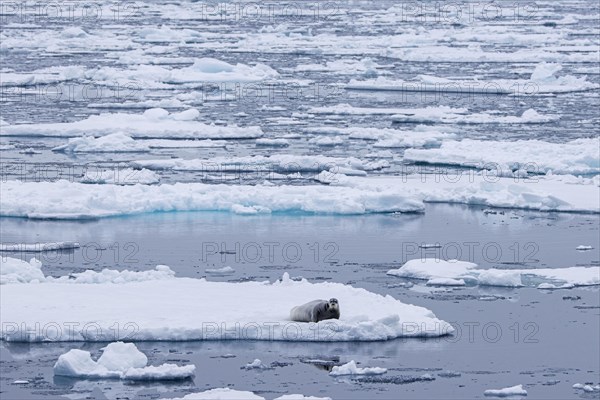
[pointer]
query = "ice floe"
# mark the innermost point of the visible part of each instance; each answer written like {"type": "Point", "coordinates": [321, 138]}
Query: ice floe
{"type": "Point", "coordinates": [580, 156]}
{"type": "Point", "coordinates": [202, 72]}
{"type": "Point", "coordinates": [276, 162]}
{"type": "Point", "coordinates": [38, 247]}
{"type": "Point", "coordinates": [350, 368]}
{"type": "Point", "coordinates": [118, 361]}
{"type": "Point", "coordinates": [113, 143]}
{"type": "Point", "coordinates": [158, 313]}
{"type": "Point", "coordinates": [507, 392]}
{"type": "Point", "coordinates": [439, 114]}
{"type": "Point", "coordinates": [434, 269]}
{"type": "Point", "coordinates": [419, 136]}
{"type": "Point", "coordinates": [153, 123]}
{"type": "Point", "coordinates": [231, 394]}
{"type": "Point", "coordinates": [529, 116]}
{"type": "Point", "coordinates": [543, 80]}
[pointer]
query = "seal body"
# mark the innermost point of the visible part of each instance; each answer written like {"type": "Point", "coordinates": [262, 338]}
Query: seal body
{"type": "Point", "coordinates": [315, 311]}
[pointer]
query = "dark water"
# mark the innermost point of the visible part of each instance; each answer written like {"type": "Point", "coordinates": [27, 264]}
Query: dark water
{"type": "Point", "coordinates": [544, 340]}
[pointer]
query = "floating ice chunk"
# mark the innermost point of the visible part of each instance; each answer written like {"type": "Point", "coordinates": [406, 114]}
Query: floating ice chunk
{"type": "Point", "coordinates": [153, 123]}
{"type": "Point", "coordinates": [506, 392]}
{"type": "Point", "coordinates": [579, 156]}
{"type": "Point", "coordinates": [496, 277]}
{"type": "Point", "coordinates": [433, 268]}
{"type": "Point", "coordinates": [182, 144]}
{"type": "Point", "coordinates": [42, 76]}
{"type": "Point", "coordinates": [584, 248]}
{"type": "Point", "coordinates": [220, 271]}
{"type": "Point", "coordinates": [347, 109]}
{"type": "Point", "coordinates": [350, 368]}
{"type": "Point", "coordinates": [300, 397]}
{"type": "Point", "coordinates": [543, 81]}
{"type": "Point", "coordinates": [256, 364]}
{"type": "Point", "coordinates": [550, 286]}
{"type": "Point", "coordinates": [586, 387]}
{"type": "Point", "coordinates": [113, 143]}
{"type": "Point", "coordinates": [30, 151]}
{"type": "Point", "coordinates": [445, 282]}
{"type": "Point", "coordinates": [21, 382]}
{"type": "Point", "coordinates": [327, 141]}
{"type": "Point", "coordinates": [13, 270]}
{"type": "Point", "coordinates": [221, 394]}
{"type": "Point", "coordinates": [164, 372]}
{"type": "Point", "coordinates": [159, 316]}
{"type": "Point", "coordinates": [273, 142]}
{"type": "Point", "coordinates": [276, 162]}
{"type": "Point", "coordinates": [119, 360]}
{"type": "Point", "coordinates": [161, 272]}
{"type": "Point", "coordinates": [70, 200]}
{"type": "Point", "coordinates": [445, 117]}
{"type": "Point", "coordinates": [38, 247]}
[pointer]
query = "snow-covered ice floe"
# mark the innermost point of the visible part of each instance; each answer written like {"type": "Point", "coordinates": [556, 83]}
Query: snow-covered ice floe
{"type": "Point", "coordinates": [580, 156]}
{"type": "Point", "coordinates": [529, 116]}
{"type": "Point", "coordinates": [276, 162]}
{"type": "Point", "coordinates": [342, 195]}
{"type": "Point", "coordinates": [231, 394]}
{"type": "Point", "coordinates": [543, 80]}
{"type": "Point", "coordinates": [506, 392]}
{"type": "Point", "coordinates": [118, 361]}
{"type": "Point", "coordinates": [158, 306]}
{"type": "Point", "coordinates": [72, 200]}
{"type": "Point", "coordinates": [42, 76]}
{"type": "Point", "coordinates": [153, 123]}
{"type": "Point", "coordinates": [439, 115]}
{"type": "Point", "coordinates": [350, 368]}
{"type": "Point", "coordinates": [115, 143]}
{"type": "Point", "coordinates": [419, 136]}
{"type": "Point", "coordinates": [202, 72]}
{"type": "Point", "coordinates": [434, 269]}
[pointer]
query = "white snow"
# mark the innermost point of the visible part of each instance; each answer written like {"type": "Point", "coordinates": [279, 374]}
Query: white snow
{"type": "Point", "coordinates": [161, 306]}
{"type": "Point", "coordinates": [13, 270]}
{"type": "Point", "coordinates": [506, 392]}
{"type": "Point", "coordinates": [580, 156]}
{"type": "Point", "coordinates": [153, 123]}
{"type": "Point", "coordinates": [115, 142]}
{"type": "Point", "coordinates": [433, 269]}
{"type": "Point", "coordinates": [350, 368]}
{"type": "Point", "coordinates": [118, 360]}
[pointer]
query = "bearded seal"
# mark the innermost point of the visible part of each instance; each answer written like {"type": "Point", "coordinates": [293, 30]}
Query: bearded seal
{"type": "Point", "coordinates": [315, 311]}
